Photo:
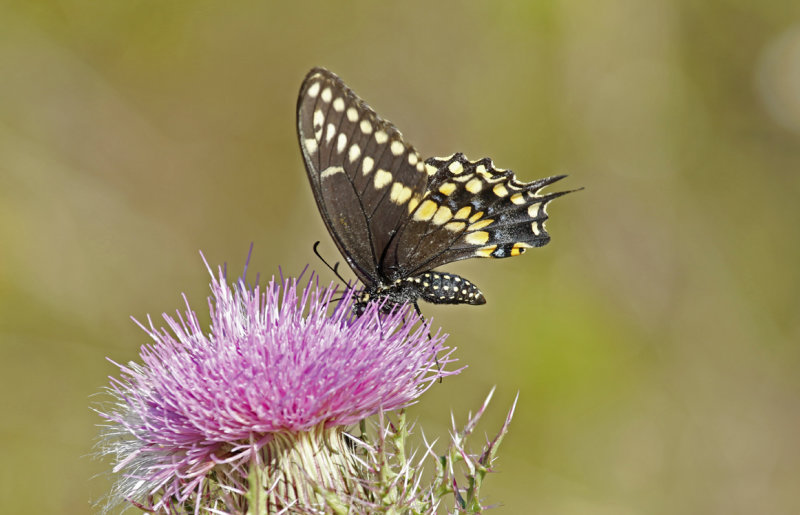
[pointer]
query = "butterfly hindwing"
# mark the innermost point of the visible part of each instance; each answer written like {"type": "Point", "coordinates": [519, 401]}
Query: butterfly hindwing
{"type": "Point", "coordinates": [362, 172]}
{"type": "Point", "coordinates": [472, 209]}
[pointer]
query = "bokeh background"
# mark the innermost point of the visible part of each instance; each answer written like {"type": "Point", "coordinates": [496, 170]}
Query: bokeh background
{"type": "Point", "coordinates": [654, 342]}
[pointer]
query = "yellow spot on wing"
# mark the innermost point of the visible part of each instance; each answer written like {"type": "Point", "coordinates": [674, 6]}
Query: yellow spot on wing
{"type": "Point", "coordinates": [463, 213]}
{"type": "Point", "coordinates": [535, 228]}
{"type": "Point", "coordinates": [477, 238]}
{"type": "Point", "coordinates": [517, 198]}
{"type": "Point", "coordinates": [455, 167]}
{"type": "Point", "coordinates": [447, 188]}
{"type": "Point", "coordinates": [443, 214]}
{"type": "Point", "coordinates": [455, 226]}
{"type": "Point", "coordinates": [533, 210]}
{"type": "Point", "coordinates": [382, 178]}
{"type": "Point", "coordinates": [430, 169]}
{"type": "Point", "coordinates": [412, 204]}
{"type": "Point", "coordinates": [425, 211]}
{"type": "Point", "coordinates": [486, 251]}
{"type": "Point", "coordinates": [500, 190]}
{"type": "Point", "coordinates": [477, 216]}
{"type": "Point", "coordinates": [474, 186]}
{"type": "Point", "coordinates": [481, 224]}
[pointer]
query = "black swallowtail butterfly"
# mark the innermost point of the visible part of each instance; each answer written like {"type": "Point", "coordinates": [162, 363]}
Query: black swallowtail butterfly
{"type": "Point", "coordinates": [395, 217]}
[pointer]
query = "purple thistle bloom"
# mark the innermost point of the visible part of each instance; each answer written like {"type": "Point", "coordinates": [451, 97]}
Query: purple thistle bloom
{"type": "Point", "coordinates": [276, 365]}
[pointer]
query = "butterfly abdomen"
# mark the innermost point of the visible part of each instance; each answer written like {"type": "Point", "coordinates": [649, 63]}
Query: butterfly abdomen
{"type": "Point", "coordinates": [438, 288]}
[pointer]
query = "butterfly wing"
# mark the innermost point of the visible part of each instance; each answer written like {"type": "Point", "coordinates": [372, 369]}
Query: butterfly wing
{"type": "Point", "coordinates": [362, 172]}
{"type": "Point", "coordinates": [471, 209]}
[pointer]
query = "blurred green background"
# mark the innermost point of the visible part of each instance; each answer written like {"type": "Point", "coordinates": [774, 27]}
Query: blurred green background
{"type": "Point", "coordinates": [654, 342]}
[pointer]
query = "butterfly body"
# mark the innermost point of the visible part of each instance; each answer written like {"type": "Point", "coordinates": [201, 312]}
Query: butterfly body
{"type": "Point", "coordinates": [433, 287]}
{"type": "Point", "coordinates": [395, 217]}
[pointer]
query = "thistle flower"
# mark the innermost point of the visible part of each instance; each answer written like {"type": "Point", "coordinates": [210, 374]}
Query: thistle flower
{"type": "Point", "coordinates": [252, 416]}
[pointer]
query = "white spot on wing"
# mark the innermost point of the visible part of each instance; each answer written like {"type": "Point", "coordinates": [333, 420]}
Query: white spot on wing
{"type": "Point", "coordinates": [311, 145]}
{"type": "Point", "coordinates": [352, 114]}
{"type": "Point", "coordinates": [341, 142]}
{"type": "Point", "coordinates": [313, 90]}
{"type": "Point", "coordinates": [396, 147]}
{"type": "Point", "coordinates": [381, 137]}
{"type": "Point", "coordinates": [329, 133]}
{"type": "Point", "coordinates": [338, 105]}
{"type": "Point", "coordinates": [332, 170]}
{"type": "Point", "coordinates": [366, 127]}
{"type": "Point", "coordinates": [326, 95]}
{"type": "Point", "coordinates": [399, 194]}
{"type": "Point", "coordinates": [354, 152]}
{"type": "Point", "coordinates": [319, 122]}
{"type": "Point", "coordinates": [367, 164]}
{"type": "Point", "coordinates": [382, 178]}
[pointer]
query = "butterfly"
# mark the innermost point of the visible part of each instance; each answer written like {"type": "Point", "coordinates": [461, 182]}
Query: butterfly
{"type": "Point", "coordinates": [395, 217]}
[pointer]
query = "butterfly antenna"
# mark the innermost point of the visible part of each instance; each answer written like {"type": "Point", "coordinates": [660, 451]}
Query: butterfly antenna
{"type": "Point", "coordinates": [334, 268]}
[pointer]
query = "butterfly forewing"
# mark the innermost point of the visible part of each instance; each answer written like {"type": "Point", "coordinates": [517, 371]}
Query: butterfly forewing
{"type": "Point", "coordinates": [363, 174]}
